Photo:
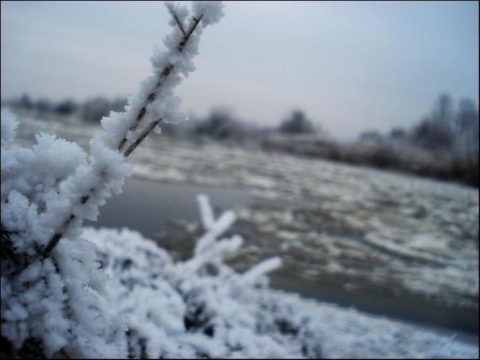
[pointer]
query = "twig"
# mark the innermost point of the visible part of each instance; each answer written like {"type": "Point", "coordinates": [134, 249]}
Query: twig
{"type": "Point", "coordinates": [142, 136]}
{"type": "Point", "coordinates": [190, 32]}
{"type": "Point", "coordinates": [150, 99]}
{"type": "Point", "coordinates": [177, 20]}
{"type": "Point", "coordinates": [167, 71]}
{"type": "Point", "coordinates": [56, 237]}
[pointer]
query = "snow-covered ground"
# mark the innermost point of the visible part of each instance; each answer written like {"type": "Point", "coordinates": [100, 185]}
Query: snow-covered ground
{"type": "Point", "coordinates": [369, 230]}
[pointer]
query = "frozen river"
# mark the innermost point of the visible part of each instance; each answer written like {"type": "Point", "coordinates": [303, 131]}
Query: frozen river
{"type": "Point", "coordinates": [388, 243]}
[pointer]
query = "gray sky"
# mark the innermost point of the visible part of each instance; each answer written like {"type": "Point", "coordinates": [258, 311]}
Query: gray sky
{"type": "Point", "coordinates": [350, 66]}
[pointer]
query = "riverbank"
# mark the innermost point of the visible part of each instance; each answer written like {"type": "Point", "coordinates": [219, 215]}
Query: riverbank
{"type": "Point", "coordinates": [150, 207]}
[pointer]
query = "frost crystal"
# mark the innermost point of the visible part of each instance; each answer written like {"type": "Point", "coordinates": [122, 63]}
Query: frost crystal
{"type": "Point", "coordinates": [9, 123]}
{"type": "Point", "coordinates": [212, 11]}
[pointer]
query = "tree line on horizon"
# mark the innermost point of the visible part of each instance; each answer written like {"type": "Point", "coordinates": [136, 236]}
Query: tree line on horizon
{"type": "Point", "coordinates": [220, 124]}
{"type": "Point", "coordinates": [448, 135]}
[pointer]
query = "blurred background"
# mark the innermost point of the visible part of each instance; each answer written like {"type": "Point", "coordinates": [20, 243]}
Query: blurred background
{"type": "Point", "coordinates": [344, 134]}
{"type": "Point", "coordinates": [390, 84]}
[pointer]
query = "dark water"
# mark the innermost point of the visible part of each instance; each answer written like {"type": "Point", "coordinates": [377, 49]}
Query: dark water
{"type": "Point", "coordinates": [446, 320]}
{"type": "Point", "coordinates": [147, 207]}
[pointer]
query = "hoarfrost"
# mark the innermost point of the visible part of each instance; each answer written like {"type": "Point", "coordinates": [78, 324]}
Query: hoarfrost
{"type": "Point", "coordinates": [212, 11]}
{"type": "Point", "coordinates": [9, 123]}
{"type": "Point", "coordinates": [206, 212]}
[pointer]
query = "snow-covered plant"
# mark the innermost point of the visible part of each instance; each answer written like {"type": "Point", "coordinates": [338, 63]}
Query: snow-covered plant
{"type": "Point", "coordinates": [53, 294]}
{"type": "Point", "coordinates": [200, 307]}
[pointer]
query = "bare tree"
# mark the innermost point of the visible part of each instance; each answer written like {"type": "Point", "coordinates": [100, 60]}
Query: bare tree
{"type": "Point", "coordinates": [466, 146]}
{"type": "Point", "coordinates": [297, 123]}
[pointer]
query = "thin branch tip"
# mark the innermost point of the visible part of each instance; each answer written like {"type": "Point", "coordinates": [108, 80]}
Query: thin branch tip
{"type": "Point", "coordinates": [179, 23]}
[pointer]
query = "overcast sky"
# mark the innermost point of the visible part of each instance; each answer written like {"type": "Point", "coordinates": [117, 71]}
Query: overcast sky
{"type": "Point", "coordinates": [351, 66]}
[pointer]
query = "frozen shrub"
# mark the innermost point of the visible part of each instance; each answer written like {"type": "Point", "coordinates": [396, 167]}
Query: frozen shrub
{"type": "Point", "coordinates": [53, 294]}
{"type": "Point", "coordinates": [56, 301]}
{"type": "Point", "coordinates": [200, 307]}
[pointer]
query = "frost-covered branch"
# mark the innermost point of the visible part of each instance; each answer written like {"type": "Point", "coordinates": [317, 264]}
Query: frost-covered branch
{"type": "Point", "coordinates": [177, 58]}
{"type": "Point", "coordinates": [172, 12]}
{"type": "Point", "coordinates": [142, 136]}
{"type": "Point", "coordinates": [262, 268]}
{"type": "Point", "coordinates": [141, 117]}
{"type": "Point", "coordinates": [206, 212]}
{"type": "Point", "coordinates": [195, 22]}
{"type": "Point", "coordinates": [211, 250]}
